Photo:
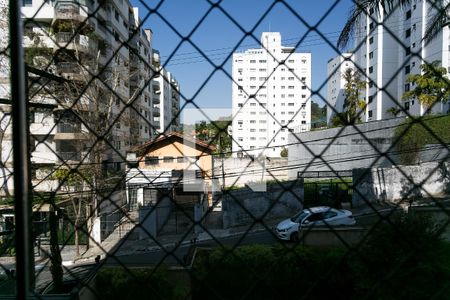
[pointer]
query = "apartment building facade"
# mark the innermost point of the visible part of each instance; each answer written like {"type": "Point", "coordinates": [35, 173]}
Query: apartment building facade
{"type": "Point", "coordinates": [389, 48]}
{"type": "Point", "coordinates": [165, 100]}
{"type": "Point", "coordinates": [105, 59]}
{"type": "Point", "coordinates": [336, 68]}
{"type": "Point", "coordinates": [271, 95]}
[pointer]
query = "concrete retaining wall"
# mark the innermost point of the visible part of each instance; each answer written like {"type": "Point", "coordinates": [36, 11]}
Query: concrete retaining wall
{"type": "Point", "coordinates": [346, 148]}
{"type": "Point", "coordinates": [401, 182]}
{"type": "Point", "coordinates": [278, 201]}
{"type": "Point", "coordinates": [241, 171]}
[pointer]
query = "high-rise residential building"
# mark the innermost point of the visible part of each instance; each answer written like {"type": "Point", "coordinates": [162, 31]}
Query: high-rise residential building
{"type": "Point", "coordinates": [336, 84]}
{"type": "Point", "coordinates": [271, 95]}
{"type": "Point", "coordinates": [103, 107]}
{"type": "Point", "coordinates": [389, 48]}
{"type": "Point", "coordinates": [166, 101]}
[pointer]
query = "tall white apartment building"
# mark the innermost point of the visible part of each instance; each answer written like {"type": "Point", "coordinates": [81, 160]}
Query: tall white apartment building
{"type": "Point", "coordinates": [394, 49]}
{"type": "Point", "coordinates": [271, 95]}
{"type": "Point", "coordinates": [81, 42]}
{"type": "Point", "coordinates": [336, 68]}
{"type": "Point", "coordinates": [165, 101]}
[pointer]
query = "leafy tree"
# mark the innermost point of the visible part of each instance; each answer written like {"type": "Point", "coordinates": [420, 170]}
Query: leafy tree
{"type": "Point", "coordinates": [215, 133]}
{"type": "Point", "coordinates": [352, 91]}
{"type": "Point", "coordinates": [284, 152]}
{"type": "Point", "coordinates": [318, 115]}
{"type": "Point", "coordinates": [394, 111]}
{"type": "Point", "coordinates": [412, 135]}
{"type": "Point", "coordinates": [431, 85]}
{"type": "Point", "coordinates": [74, 184]}
{"type": "Point", "coordinates": [353, 104]}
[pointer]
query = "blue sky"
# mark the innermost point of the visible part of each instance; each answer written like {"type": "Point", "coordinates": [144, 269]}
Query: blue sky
{"type": "Point", "coordinates": [217, 36]}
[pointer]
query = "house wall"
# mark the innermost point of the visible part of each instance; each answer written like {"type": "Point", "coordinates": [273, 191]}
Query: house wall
{"type": "Point", "coordinates": [177, 150]}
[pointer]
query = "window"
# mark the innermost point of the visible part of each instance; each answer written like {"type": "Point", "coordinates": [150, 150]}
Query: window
{"type": "Point", "coordinates": [252, 78]}
{"type": "Point", "coordinates": [291, 104]}
{"type": "Point", "coordinates": [252, 122]}
{"type": "Point", "coordinates": [240, 104]}
{"type": "Point", "coordinates": [370, 84]}
{"type": "Point", "coordinates": [262, 70]}
{"type": "Point", "coordinates": [408, 15]}
{"type": "Point", "coordinates": [291, 61]}
{"type": "Point", "coordinates": [407, 69]}
{"type": "Point", "coordinates": [407, 86]}
{"type": "Point", "coordinates": [370, 114]}
{"type": "Point", "coordinates": [371, 55]}
{"type": "Point", "coordinates": [252, 61]}
{"type": "Point", "coordinates": [252, 130]}
{"type": "Point", "coordinates": [370, 99]}
{"type": "Point", "coordinates": [262, 61]}
{"type": "Point", "coordinates": [371, 40]}
{"type": "Point", "coordinates": [406, 105]}
{"type": "Point", "coordinates": [168, 159]}
{"type": "Point", "coordinates": [370, 70]}
{"type": "Point", "coordinates": [408, 32]}
{"type": "Point", "coordinates": [407, 51]}
{"type": "Point", "coordinates": [371, 25]}
{"type": "Point", "coordinates": [180, 159]}
{"type": "Point", "coordinates": [151, 160]}
{"type": "Point", "coordinates": [27, 2]}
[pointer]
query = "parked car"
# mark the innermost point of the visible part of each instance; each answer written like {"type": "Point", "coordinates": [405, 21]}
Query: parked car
{"type": "Point", "coordinates": [313, 216]}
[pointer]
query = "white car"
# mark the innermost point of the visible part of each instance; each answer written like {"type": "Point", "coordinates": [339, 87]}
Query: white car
{"type": "Point", "coordinates": [313, 216]}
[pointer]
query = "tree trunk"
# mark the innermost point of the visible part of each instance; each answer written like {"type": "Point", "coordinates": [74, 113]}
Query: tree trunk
{"type": "Point", "coordinates": [77, 241]}
{"type": "Point", "coordinates": [55, 255]}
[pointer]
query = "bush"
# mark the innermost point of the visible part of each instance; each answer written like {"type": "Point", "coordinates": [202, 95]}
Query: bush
{"type": "Point", "coordinates": [403, 259]}
{"type": "Point", "coordinates": [142, 283]}
{"type": "Point", "coordinates": [413, 135]}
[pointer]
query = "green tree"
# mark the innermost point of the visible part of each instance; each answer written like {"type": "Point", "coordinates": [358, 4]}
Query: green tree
{"type": "Point", "coordinates": [74, 184]}
{"type": "Point", "coordinates": [430, 86]}
{"type": "Point", "coordinates": [318, 115]}
{"type": "Point", "coordinates": [215, 133]}
{"type": "Point", "coordinates": [361, 8]}
{"type": "Point", "coordinates": [353, 103]}
{"type": "Point", "coordinates": [284, 152]}
{"type": "Point", "coordinates": [352, 91]}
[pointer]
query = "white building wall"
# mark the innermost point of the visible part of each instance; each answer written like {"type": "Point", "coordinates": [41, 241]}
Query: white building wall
{"type": "Point", "coordinates": [385, 53]}
{"type": "Point", "coordinates": [271, 95]}
{"type": "Point", "coordinates": [336, 84]}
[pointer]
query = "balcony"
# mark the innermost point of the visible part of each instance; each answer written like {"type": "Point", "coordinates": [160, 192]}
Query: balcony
{"type": "Point", "coordinates": [77, 42]}
{"type": "Point", "coordinates": [65, 156]}
{"type": "Point", "coordinates": [70, 131]}
{"type": "Point", "coordinates": [156, 113]}
{"type": "Point", "coordinates": [155, 100]}
{"type": "Point", "coordinates": [70, 13]}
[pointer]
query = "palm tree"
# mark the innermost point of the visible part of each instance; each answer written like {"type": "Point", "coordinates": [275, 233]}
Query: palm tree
{"type": "Point", "coordinates": [362, 7]}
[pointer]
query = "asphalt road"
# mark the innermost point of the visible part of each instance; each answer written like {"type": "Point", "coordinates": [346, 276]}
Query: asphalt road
{"type": "Point", "coordinates": [175, 256]}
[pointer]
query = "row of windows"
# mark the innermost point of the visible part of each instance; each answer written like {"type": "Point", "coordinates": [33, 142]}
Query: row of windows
{"type": "Point", "coordinates": [154, 160]}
